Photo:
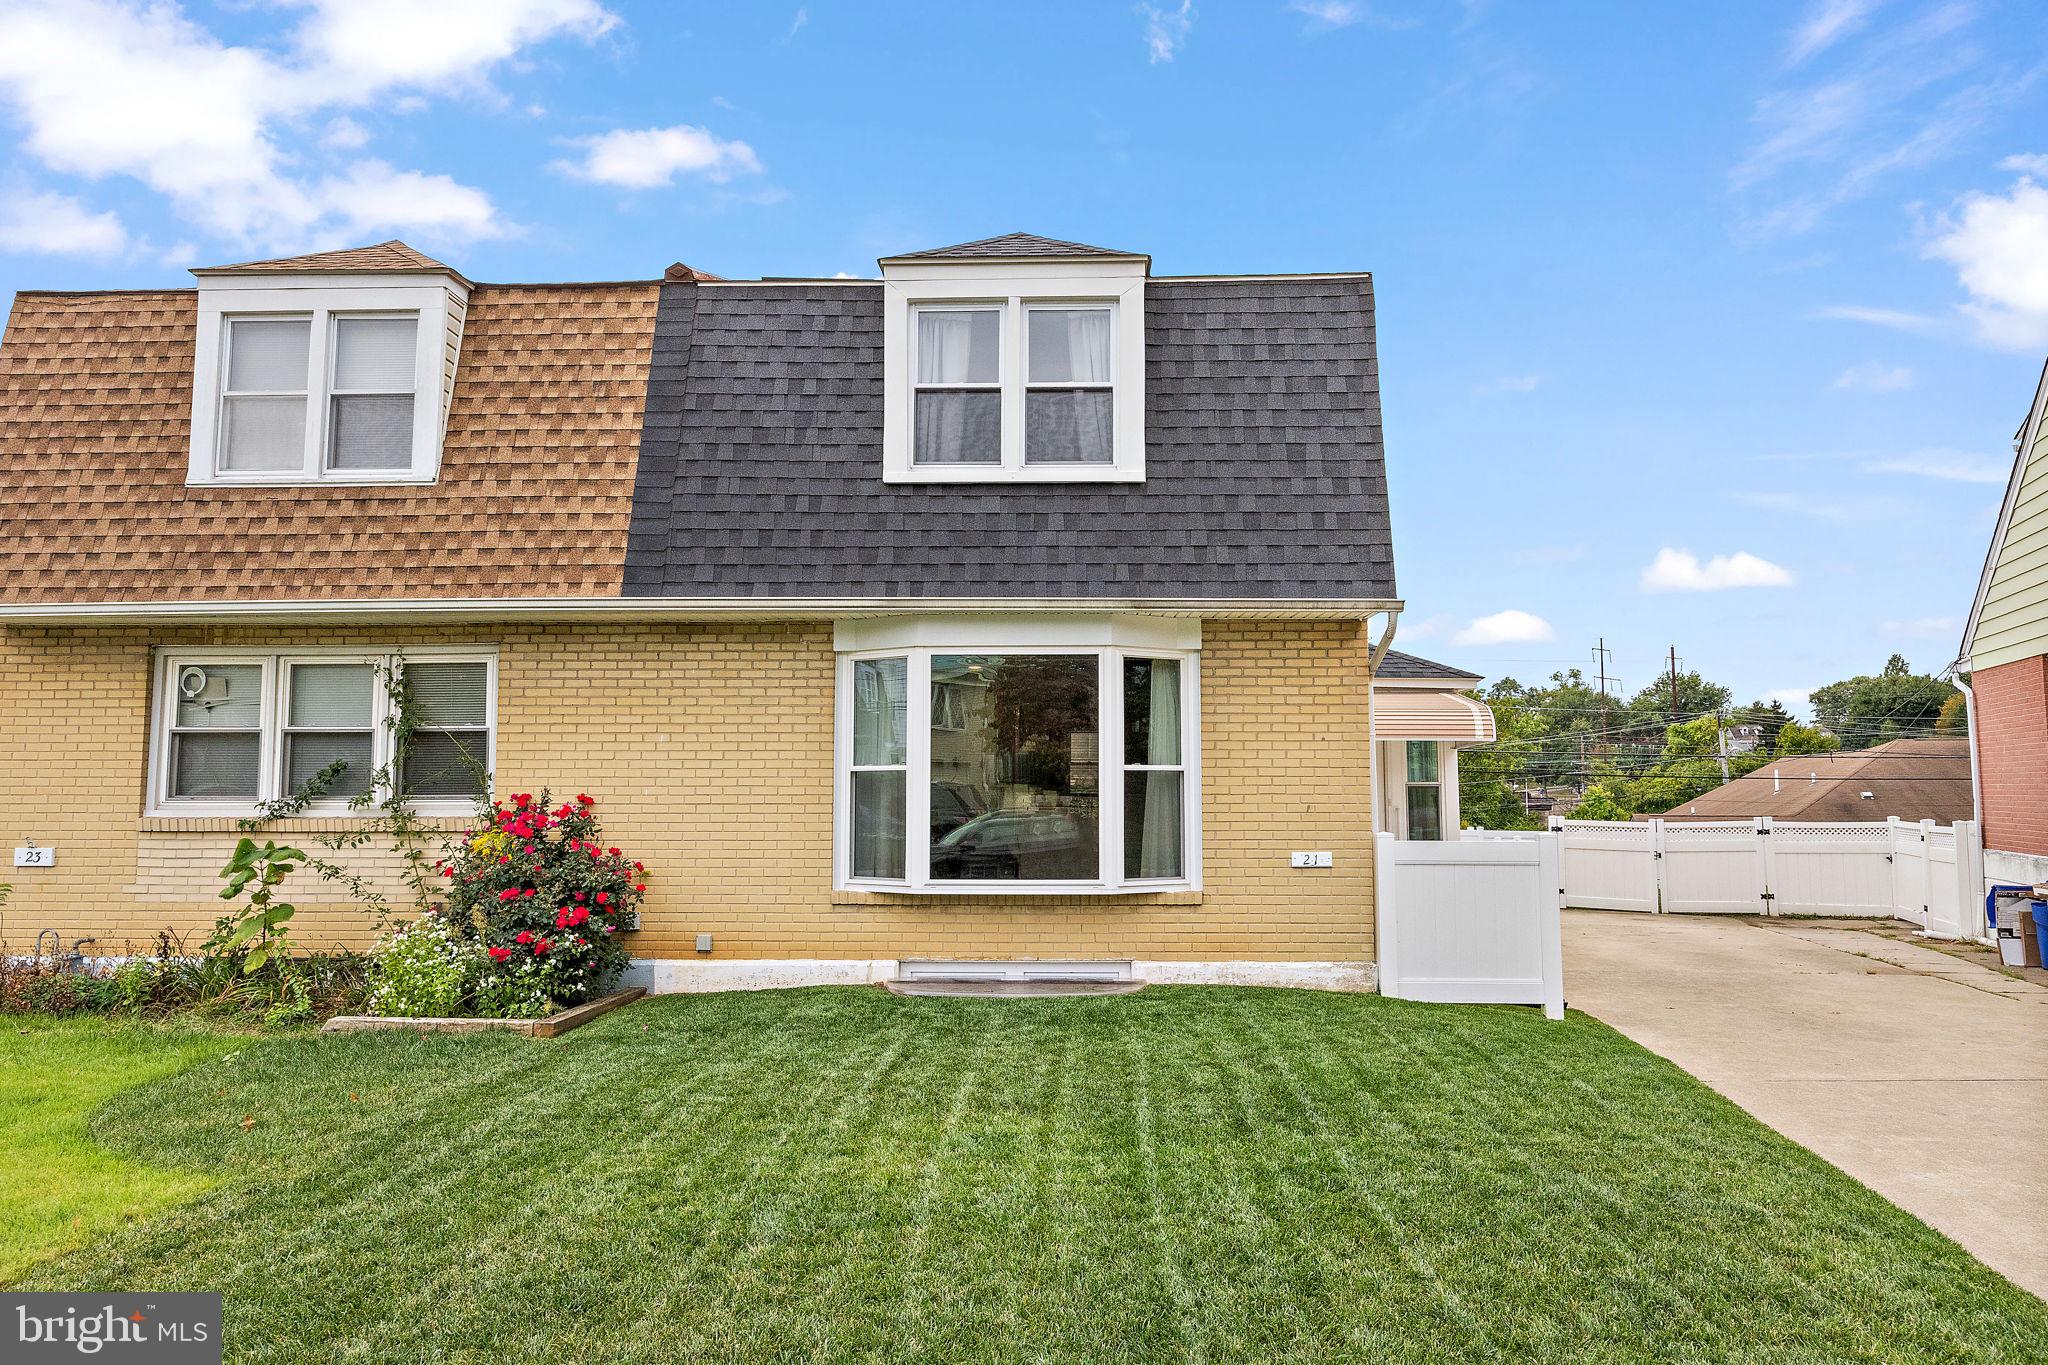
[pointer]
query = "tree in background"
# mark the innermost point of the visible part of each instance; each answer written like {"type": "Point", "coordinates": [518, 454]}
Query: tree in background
{"type": "Point", "coordinates": [1954, 720]}
{"type": "Point", "coordinates": [1894, 704]}
{"type": "Point", "coordinates": [1768, 717]}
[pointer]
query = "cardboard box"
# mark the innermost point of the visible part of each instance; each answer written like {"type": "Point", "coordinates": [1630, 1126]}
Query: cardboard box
{"type": "Point", "coordinates": [2017, 944]}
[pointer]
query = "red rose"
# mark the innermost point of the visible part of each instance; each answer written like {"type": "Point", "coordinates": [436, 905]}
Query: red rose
{"type": "Point", "coordinates": [525, 936]}
{"type": "Point", "coordinates": [527, 892]}
{"type": "Point", "coordinates": [540, 946]}
{"type": "Point", "coordinates": [614, 852]}
{"type": "Point", "coordinates": [523, 800]}
{"type": "Point", "coordinates": [583, 800]}
{"type": "Point", "coordinates": [500, 954]}
{"type": "Point", "coordinates": [510, 893]}
{"type": "Point", "coordinates": [640, 887]}
{"type": "Point", "coordinates": [579, 895]}
{"type": "Point", "coordinates": [603, 896]}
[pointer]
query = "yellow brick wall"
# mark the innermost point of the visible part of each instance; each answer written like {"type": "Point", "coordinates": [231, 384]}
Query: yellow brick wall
{"type": "Point", "coordinates": [710, 751]}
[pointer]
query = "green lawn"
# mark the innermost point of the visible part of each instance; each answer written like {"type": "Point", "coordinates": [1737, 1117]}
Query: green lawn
{"type": "Point", "coordinates": [1185, 1174]}
{"type": "Point", "coordinates": [58, 1187]}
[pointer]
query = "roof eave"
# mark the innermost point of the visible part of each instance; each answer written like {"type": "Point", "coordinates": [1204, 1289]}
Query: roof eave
{"type": "Point", "coordinates": [678, 608]}
{"type": "Point", "coordinates": [2030, 433]}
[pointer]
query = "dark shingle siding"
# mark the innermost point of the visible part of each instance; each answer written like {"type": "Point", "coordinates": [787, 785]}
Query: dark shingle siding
{"type": "Point", "coordinates": [1399, 665]}
{"type": "Point", "coordinates": [761, 467]}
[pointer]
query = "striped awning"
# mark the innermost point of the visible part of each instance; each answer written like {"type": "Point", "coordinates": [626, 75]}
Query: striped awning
{"type": "Point", "coordinates": [1420, 713]}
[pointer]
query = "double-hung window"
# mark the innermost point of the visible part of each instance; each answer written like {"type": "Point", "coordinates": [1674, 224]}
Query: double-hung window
{"type": "Point", "coordinates": [1034, 381]}
{"type": "Point", "coordinates": [1028, 769]}
{"type": "Point", "coordinates": [1425, 789]}
{"type": "Point", "coordinates": [329, 393]}
{"type": "Point", "coordinates": [238, 727]}
{"type": "Point", "coordinates": [318, 379]}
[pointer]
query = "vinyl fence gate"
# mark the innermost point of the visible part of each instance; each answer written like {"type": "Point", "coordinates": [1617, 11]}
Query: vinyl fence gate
{"type": "Point", "coordinates": [1470, 921]}
{"type": "Point", "coordinates": [1931, 875]}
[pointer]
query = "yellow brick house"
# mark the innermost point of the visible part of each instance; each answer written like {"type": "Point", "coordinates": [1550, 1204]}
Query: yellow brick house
{"type": "Point", "coordinates": [1014, 612]}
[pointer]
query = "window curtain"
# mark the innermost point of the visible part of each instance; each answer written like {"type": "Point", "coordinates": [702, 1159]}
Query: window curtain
{"type": "Point", "coordinates": [1070, 345]}
{"type": "Point", "coordinates": [962, 427]}
{"type": "Point", "coordinates": [1159, 848]}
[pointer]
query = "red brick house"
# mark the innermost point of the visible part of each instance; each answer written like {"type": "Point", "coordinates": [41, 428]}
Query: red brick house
{"type": "Point", "coordinates": [2005, 655]}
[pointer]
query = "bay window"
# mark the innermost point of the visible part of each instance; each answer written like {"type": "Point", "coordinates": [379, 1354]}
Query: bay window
{"type": "Point", "coordinates": [238, 727]}
{"type": "Point", "coordinates": [1034, 768]}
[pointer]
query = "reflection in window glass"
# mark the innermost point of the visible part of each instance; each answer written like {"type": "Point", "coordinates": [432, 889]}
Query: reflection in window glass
{"type": "Point", "coordinates": [1152, 762]}
{"type": "Point", "coordinates": [1015, 779]}
{"type": "Point", "coordinates": [880, 781]}
{"type": "Point", "coordinates": [1425, 791]}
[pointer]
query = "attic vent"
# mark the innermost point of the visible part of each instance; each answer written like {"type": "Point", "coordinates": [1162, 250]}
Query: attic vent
{"type": "Point", "coordinates": [1868, 796]}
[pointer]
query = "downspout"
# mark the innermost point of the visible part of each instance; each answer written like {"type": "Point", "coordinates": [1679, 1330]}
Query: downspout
{"type": "Point", "coordinates": [1970, 720]}
{"type": "Point", "coordinates": [1372, 721]}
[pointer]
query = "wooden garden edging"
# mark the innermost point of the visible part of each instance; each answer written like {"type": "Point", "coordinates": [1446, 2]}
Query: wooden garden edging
{"type": "Point", "coordinates": [550, 1027]}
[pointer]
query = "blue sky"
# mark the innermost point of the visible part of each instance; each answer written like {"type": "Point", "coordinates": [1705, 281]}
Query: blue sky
{"type": "Point", "coordinates": [1704, 325]}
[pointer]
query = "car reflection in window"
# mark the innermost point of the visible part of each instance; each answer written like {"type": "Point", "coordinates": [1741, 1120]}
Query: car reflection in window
{"type": "Point", "coordinates": [1033, 845]}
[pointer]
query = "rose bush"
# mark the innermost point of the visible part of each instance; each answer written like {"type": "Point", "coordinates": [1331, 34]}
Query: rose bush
{"type": "Point", "coordinates": [545, 897]}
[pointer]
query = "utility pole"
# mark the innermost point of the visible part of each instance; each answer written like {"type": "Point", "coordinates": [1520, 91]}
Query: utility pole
{"type": "Point", "coordinates": [1721, 747]}
{"type": "Point", "coordinates": [1600, 653]}
{"type": "Point", "coordinates": [1674, 684]}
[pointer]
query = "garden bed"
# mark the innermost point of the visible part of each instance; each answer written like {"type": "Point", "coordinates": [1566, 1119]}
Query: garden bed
{"type": "Point", "coordinates": [551, 1026]}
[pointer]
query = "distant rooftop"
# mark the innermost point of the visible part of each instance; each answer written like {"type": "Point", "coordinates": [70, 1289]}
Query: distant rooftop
{"type": "Point", "coordinates": [1414, 667]}
{"type": "Point", "coordinates": [1011, 246]}
{"type": "Point", "coordinates": [392, 257]}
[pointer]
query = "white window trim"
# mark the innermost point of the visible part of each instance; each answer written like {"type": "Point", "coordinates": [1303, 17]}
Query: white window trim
{"type": "Point", "coordinates": [323, 299]}
{"type": "Point", "coordinates": [1016, 288]}
{"type": "Point", "coordinates": [270, 745]}
{"type": "Point", "coordinates": [1110, 769]}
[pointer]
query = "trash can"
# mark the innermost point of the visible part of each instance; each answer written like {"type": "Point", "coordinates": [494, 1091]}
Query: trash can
{"type": "Point", "coordinates": [2040, 909]}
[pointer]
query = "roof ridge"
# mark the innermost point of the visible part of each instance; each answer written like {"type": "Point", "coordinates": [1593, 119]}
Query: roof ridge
{"type": "Point", "coordinates": [1011, 244]}
{"type": "Point", "coordinates": [378, 257]}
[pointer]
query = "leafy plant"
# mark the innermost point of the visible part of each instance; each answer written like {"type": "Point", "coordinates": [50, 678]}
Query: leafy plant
{"type": "Point", "coordinates": [539, 885]}
{"type": "Point", "coordinates": [255, 871]}
{"type": "Point", "coordinates": [424, 969]}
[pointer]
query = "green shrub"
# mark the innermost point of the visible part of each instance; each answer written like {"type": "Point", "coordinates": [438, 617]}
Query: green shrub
{"type": "Point", "coordinates": [424, 969]}
{"type": "Point", "coordinates": [539, 888]}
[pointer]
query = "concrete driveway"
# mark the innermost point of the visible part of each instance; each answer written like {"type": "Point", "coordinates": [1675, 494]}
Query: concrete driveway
{"type": "Point", "coordinates": [1923, 1076]}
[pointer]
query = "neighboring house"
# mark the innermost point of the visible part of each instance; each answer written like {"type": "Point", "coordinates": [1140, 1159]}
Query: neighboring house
{"type": "Point", "coordinates": [1422, 715]}
{"type": "Point", "coordinates": [2005, 660]}
{"type": "Point", "coordinates": [1743, 739]}
{"type": "Point", "coordinates": [1913, 779]}
{"type": "Point", "coordinates": [1018, 605]}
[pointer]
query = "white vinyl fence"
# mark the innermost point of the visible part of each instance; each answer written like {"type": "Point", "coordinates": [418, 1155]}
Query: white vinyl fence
{"type": "Point", "coordinates": [1932, 875]}
{"type": "Point", "coordinates": [1471, 921]}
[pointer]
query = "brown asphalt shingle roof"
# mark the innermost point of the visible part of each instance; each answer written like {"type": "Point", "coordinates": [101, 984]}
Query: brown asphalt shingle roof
{"type": "Point", "coordinates": [391, 256]}
{"type": "Point", "coordinates": [1914, 779]}
{"type": "Point", "coordinates": [534, 497]}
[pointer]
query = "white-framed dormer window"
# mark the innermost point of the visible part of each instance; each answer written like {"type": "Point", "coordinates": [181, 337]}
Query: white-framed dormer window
{"type": "Point", "coordinates": [1060, 761]}
{"type": "Point", "coordinates": [322, 382]}
{"type": "Point", "coordinates": [236, 727]}
{"type": "Point", "coordinates": [998, 373]}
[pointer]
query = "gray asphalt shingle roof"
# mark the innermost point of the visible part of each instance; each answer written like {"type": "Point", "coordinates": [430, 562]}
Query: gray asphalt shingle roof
{"type": "Point", "coordinates": [1399, 665]}
{"type": "Point", "coordinates": [761, 459]}
{"type": "Point", "coordinates": [1011, 246]}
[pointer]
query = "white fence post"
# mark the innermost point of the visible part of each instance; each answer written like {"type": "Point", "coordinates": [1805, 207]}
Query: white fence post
{"type": "Point", "coordinates": [1385, 940]}
{"type": "Point", "coordinates": [1550, 870]}
{"type": "Point", "coordinates": [1970, 879]}
{"type": "Point", "coordinates": [1656, 866]}
{"type": "Point", "coordinates": [1767, 861]}
{"type": "Point", "coordinates": [1926, 872]}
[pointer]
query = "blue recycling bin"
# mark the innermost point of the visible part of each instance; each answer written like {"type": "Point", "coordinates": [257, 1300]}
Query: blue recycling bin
{"type": "Point", "coordinates": [2040, 909]}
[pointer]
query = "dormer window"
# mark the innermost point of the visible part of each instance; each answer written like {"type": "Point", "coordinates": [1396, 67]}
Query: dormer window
{"type": "Point", "coordinates": [341, 377]}
{"type": "Point", "coordinates": [1014, 360]}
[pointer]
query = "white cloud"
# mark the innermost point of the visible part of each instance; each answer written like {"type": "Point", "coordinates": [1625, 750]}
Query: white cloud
{"type": "Point", "coordinates": [345, 133]}
{"type": "Point", "coordinates": [57, 225]}
{"type": "Point", "coordinates": [1512, 383]}
{"type": "Point", "coordinates": [1922, 627]}
{"type": "Point", "coordinates": [1328, 13]}
{"type": "Point", "coordinates": [1875, 377]}
{"type": "Point", "coordinates": [2029, 164]}
{"type": "Point", "coordinates": [107, 88]}
{"type": "Point", "coordinates": [1509, 627]}
{"type": "Point", "coordinates": [1681, 571]}
{"type": "Point", "coordinates": [1825, 22]}
{"type": "Point", "coordinates": [1166, 29]}
{"type": "Point", "coordinates": [373, 194]}
{"type": "Point", "coordinates": [1897, 319]}
{"type": "Point", "coordinates": [1798, 700]}
{"type": "Point", "coordinates": [1949, 465]}
{"type": "Point", "coordinates": [378, 44]}
{"type": "Point", "coordinates": [803, 16]}
{"type": "Point", "coordinates": [1998, 245]}
{"type": "Point", "coordinates": [646, 158]}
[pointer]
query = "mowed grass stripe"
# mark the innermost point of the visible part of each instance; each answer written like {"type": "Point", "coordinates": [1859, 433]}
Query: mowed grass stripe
{"type": "Point", "coordinates": [1183, 1174]}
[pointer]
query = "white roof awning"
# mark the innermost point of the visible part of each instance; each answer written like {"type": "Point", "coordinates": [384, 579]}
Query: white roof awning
{"type": "Point", "coordinates": [1416, 713]}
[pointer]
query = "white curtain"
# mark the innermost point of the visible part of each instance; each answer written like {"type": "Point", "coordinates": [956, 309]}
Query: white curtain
{"type": "Point", "coordinates": [1070, 346]}
{"type": "Point", "coordinates": [1159, 848]}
